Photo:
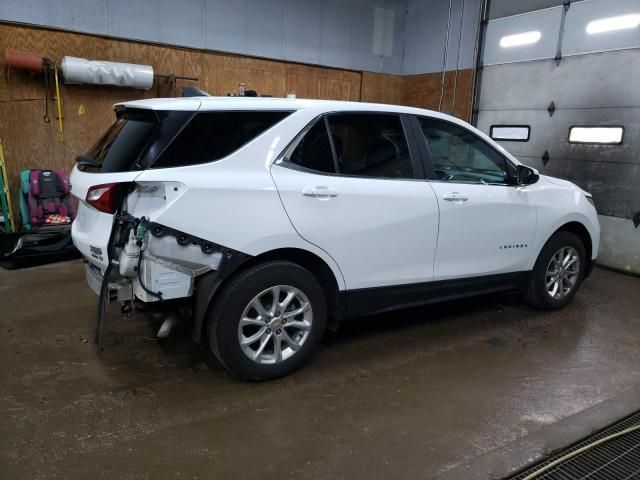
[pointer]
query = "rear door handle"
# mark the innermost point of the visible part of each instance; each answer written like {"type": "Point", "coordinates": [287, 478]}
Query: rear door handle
{"type": "Point", "coordinates": [455, 197]}
{"type": "Point", "coordinates": [319, 192]}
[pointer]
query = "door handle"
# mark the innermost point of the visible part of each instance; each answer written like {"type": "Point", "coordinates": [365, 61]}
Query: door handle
{"type": "Point", "coordinates": [319, 192]}
{"type": "Point", "coordinates": [455, 197]}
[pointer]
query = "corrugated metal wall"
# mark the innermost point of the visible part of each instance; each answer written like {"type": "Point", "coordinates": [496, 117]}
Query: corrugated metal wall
{"type": "Point", "coordinates": [592, 79]}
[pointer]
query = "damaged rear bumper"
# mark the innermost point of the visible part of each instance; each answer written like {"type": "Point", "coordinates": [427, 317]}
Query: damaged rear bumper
{"type": "Point", "coordinates": [119, 290]}
{"type": "Point", "coordinates": [171, 262]}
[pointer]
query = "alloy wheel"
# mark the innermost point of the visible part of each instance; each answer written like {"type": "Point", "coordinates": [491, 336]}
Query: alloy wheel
{"type": "Point", "coordinates": [275, 324]}
{"type": "Point", "coordinates": [562, 272]}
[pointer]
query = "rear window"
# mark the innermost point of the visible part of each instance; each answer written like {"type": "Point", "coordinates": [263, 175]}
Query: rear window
{"type": "Point", "coordinates": [210, 136]}
{"type": "Point", "coordinates": [140, 139]}
{"type": "Point", "coordinates": [133, 141]}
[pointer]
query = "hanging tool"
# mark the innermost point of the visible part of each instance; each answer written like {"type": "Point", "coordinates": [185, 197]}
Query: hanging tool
{"type": "Point", "coordinates": [59, 103]}
{"type": "Point", "coordinates": [32, 62]}
{"type": "Point", "coordinates": [5, 196]}
{"type": "Point", "coordinates": [46, 68]}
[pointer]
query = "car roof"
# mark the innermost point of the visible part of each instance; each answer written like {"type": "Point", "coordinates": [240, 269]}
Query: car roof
{"type": "Point", "coordinates": [268, 103]}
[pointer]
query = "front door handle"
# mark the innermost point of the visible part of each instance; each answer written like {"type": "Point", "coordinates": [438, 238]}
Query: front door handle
{"type": "Point", "coordinates": [455, 197]}
{"type": "Point", "coordinates": [319, 192]}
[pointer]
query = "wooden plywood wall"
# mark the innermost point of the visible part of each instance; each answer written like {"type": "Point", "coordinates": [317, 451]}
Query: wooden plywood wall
{"type": "Point", "coordinates": [87, 110]}
{"type": "Point", "coordinates": [424, 91]}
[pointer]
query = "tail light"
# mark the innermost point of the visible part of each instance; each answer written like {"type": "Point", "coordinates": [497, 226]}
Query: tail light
{"type": "Point", "coordinates": [103, 197]}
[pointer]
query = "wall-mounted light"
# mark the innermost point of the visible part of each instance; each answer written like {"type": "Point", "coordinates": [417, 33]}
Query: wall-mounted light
{"type": "Point", "coordinates": [519, 39]}
{"type": "Point", "coordinates": [610, 24]}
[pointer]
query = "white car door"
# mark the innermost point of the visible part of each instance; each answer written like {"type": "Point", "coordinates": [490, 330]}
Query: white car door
{"type": "Point", "coordinates": [356, 195]}
{"type": "Point", "coordinates": [487, 224]}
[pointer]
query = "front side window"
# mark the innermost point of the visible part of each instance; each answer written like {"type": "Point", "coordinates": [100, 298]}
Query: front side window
{"type": "Point", "coordinates": [210, 136]}
{"type": "Point", "coordinates": [458, 155]}
{"type": "Point", "coordinates": [370, 145]}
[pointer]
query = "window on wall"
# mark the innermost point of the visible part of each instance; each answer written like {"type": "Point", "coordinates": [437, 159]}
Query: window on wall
{"type": "Point", "coordinates": [370, 145]}
{"type": "Point", "coordinates": [597, 135]}
{"type": "Point", "coordinates": [511, 133]}
{"type": "Point", "coordinates": [612, 24]}
{"type": "Point", "coordinates": [520, 39]}
{"type": "Point", "coordinates": [458, 155]}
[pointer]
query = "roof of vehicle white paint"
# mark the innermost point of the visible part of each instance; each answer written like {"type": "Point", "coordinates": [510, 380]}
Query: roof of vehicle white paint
{"type": "Point", "coordinates": [264, 103]}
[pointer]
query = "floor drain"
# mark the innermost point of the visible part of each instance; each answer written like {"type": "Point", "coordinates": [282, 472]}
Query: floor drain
{"type": "Point", "coordinates": [617, 456]}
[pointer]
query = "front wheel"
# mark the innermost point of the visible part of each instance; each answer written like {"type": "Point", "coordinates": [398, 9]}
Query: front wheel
{"type": "Point", "coordinates": [267, 321]}
{"type": "Point", "coordinates": [558, 272]}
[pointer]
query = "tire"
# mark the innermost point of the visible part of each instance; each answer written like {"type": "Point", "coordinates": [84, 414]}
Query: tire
{"type": "Point", "coordinates": [556, 249]}
{"type": "Point", "coordinates": [298, 335]}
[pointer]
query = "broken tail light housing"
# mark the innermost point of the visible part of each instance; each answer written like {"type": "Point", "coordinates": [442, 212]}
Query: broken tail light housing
{"type": "Point", "coordinates": [104, 197]}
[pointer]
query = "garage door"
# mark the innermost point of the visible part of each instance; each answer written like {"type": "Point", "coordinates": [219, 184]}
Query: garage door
{"type": "Point", "coordinates": [565, 80]}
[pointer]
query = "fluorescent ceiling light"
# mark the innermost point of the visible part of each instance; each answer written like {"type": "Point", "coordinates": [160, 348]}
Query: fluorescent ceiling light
{"type": "Point", "coordinates": [610, 24]}
{"type": "Point", "coordinates": [601, 135]}
{"type": "Point", "coordinates": [519, 39]}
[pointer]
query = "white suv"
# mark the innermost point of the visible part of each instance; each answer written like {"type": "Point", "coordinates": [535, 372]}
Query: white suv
{"type": "Point", "coordinates": [273, 219]}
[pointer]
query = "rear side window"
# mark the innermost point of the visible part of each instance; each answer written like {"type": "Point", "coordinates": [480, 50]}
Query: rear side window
{"type": "Point", "coordinates": [370, 145]}
{"type": "Point", "coordinates": [314, 150]}
{"type": "Point", "coordinates": [210, 136]}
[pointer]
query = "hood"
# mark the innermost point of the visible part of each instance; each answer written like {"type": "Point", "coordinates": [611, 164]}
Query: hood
{"type": "Point", "coordinates": [564, 183]}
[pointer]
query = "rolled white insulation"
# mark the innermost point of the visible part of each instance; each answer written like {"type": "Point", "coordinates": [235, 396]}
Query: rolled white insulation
{"type": "Point", "coordinates": [99, 72]}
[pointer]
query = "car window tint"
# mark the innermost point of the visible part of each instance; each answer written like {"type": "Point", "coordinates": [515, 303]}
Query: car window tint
{"type": "Point", "coordinates": [458, 155]}
{"type": "Point", "coordinates": [122, 144]}
{"type": "Point", "coordinates": [370, 145]}
{"type": "Point", "coordinates": [314, 150]}
{"type": "Point", "coordinates": [210, 136]}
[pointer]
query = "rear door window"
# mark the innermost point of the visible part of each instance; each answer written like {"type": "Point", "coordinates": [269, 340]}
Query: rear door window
{"type": "Point", "coordinates": [371, 145]}
{"type": "Point", "coordinates": [210, 136]}
{"type": "Point", "coordinates": [313, 151]}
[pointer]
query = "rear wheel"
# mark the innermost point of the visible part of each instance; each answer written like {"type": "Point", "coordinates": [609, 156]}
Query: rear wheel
{"type": "Point", "coordinates": [558, 272]}
{"type": "Point", "coordinates": [267, 321]}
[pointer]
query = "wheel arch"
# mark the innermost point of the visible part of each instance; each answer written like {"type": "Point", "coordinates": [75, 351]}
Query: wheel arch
{"type": "Point", "coordinates": [580, 230]}
{"type": "Point", "coordinates": [209, 284]}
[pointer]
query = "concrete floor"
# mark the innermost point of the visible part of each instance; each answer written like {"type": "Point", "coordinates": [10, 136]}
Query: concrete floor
{"type": "Point", "coordinates": [415, 394]}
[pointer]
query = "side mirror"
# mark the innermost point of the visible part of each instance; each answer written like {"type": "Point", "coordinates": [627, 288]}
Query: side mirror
{"type": "Point", "coordinates": [526, 175]}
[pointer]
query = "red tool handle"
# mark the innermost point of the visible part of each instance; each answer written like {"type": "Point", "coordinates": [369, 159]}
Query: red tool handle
{"type": "Point", "coordinates": [23, 60]}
